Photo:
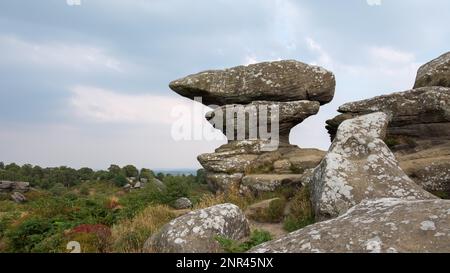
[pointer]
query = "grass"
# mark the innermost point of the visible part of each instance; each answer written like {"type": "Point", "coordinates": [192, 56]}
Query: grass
{"type": "Point", "coordinates": [130, 235]}
{"type": "Point", "coordinates": [300, 213]}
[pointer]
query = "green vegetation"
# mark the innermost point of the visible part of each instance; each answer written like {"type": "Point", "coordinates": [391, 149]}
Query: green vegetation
{"type": "Point", "coordinates": [301, 213]}
{"type": "Point", "coordinates": [88, 206]}
{"type": "Point", "coordinates": [274, 213]}
{"type": "Point", "coordinates": [257, 237]}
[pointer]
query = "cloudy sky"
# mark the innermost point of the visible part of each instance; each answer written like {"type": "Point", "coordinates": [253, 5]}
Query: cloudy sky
{"type": "Point", "coordinates": [86, 85]}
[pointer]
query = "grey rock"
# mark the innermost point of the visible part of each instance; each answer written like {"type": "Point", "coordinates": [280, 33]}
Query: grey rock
{"type": "Point", "coordinates": [261, 183]}
{"type": "Point", "coordinates": [9, 186]}
{"type": "Point", "coordinates": [419, 133]}
{"type": "Point", "coordinates": [289, 114]}
{"type": "Point", "coordinates": [222, 182]}
{"type": "Point", "coordinates": [383, 225]}
{"type": "Point", "coordinates": [182, 203]}
{"type": "Point", "coordinates": [287, 80]}
{"type": "Point", "coordinates": [419, 113]}
{"type": "Point", "coordinates": [434, 73]}
{"type": "Point", "coordinates": [196, 231]}
{"type": "Point", "coordinates": [18, 197]}
{"type": "Point", "coordinates": [359, 166]}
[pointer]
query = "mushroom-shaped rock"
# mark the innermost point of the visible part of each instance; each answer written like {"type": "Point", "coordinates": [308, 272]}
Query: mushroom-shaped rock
{"type": "Point", "coordinates": [286, 80]}
{"type": "Point", "coordinates": [359, 166]}
{"type": "Point", "coordinates": [434, 73]}
{"type": "Point", "coordinates": [196, 231]}
{"type": "Point", "coordinates": [383, 225]}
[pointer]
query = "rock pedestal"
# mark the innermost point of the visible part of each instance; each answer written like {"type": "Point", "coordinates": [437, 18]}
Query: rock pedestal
{"type": "Point", "coordinates": [256, 106]}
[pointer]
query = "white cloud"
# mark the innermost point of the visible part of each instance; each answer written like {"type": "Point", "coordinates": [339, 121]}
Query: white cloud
{"type": "Point", "coordinates": [106, 106]}
{"type": "Point", "coordinates": [390, 55]}
{"type": "Point", "coordinates": [75, 57]}
{"type": "Point", "coordinates": [374, 2]}
{"type": "Point", "coordinates": [323, 58]}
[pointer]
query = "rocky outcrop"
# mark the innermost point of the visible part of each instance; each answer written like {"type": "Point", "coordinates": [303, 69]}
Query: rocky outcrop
{"type": "Point", "coordinates": [434, 73]}
{"type": "Point", "coordinates": [359, 166]}
{"type": "Point", "coordinates": [196, 231]}
{"type": "Point", "coordinates": [383, 225]}
{"type": "Point", "coordinates": [256, 108]}
{"type": "Point", "coordinates": [10, 186]}
{"type": "Point", "coordinates": [268, 81]}
{"type": "Point", "coordinates": [419, 133]}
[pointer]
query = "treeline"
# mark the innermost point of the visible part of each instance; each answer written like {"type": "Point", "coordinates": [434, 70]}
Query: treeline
{"type": "Point", "coordinates": [46, 178]}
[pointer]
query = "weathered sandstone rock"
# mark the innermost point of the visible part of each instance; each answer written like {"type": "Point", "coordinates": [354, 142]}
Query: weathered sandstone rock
{"type": "Point", "coordinates": [270, 81]}
{"type": "Point", "coordinates": [434, 73]}
{"type": "Point", "coordinates": [196, 231]}
{"type": "Point", "coordinates": [359, 166]}
{"type": "Point", "coordinates": [383, 225]}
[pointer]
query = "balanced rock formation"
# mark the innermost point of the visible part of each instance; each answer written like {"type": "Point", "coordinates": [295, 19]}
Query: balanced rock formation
{"type": "Point", "coordinates": [196, 231]}
{"type": "Point", "coordinates": [419, 133]}
{"type": "Point", "coordinates": [359, 166]}
{"type": "Point", "coordinates": [434, 73]}
{"type": "Point", "coordinates": [256, 106]}
{"type": "Point", "coordinates": [383, 225]}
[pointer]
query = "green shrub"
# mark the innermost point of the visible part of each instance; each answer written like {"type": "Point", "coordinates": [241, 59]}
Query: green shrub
{"type": "Point", "coordinates": [176, 187]}
{"type": "Point", "coordinates": [28, 235]}
{"type": "Point", "coordinates": [274, 213]}
{"type": "Point", "coordinates": [391, 142]}
{"type": "Point", "coordinates": [120, 180]}
{"type": "Point", "coordinates": [257, 237]}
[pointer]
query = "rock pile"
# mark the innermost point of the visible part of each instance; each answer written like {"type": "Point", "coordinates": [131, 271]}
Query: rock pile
{"type": "Point", "coordinates": [288, 90]}
{"type": "Point", "coordinates": [419, 133]}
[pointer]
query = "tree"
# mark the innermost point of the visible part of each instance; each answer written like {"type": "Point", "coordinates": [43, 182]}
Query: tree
{"type": "Point", "coordinates": [146, 174]}
{"type": "Point", "coordinates": [85, 173]}
{"type": "Point", "coordinates": [176, 187]}
{"type": "Point", "coordinates": [114, 169]}
{"type": "Point", "coordinates": [2, 166]}
{"type": "Point", "coordinates": [201, 176]}
{"type": "Point", "coordinates": [120, 180]}
{"type": "Point", "coordinates": [130, 171]}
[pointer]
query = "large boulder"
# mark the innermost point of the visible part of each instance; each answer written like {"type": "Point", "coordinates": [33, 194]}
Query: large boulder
{"type": "Point", "coordinates": [434, 73]}
{"type": "Point", "coordinates": [419, 133]}
{"type": "Point", "coordinates": [287, 80]}
{"type": "Point", "coordinates": [196, 231]}
{"type": "Point", "coordinates": [359, 166]}
{"type": "Point", "coordinates": [419, 113]}
{"type": "Point", "coordinates": [383, 225]}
